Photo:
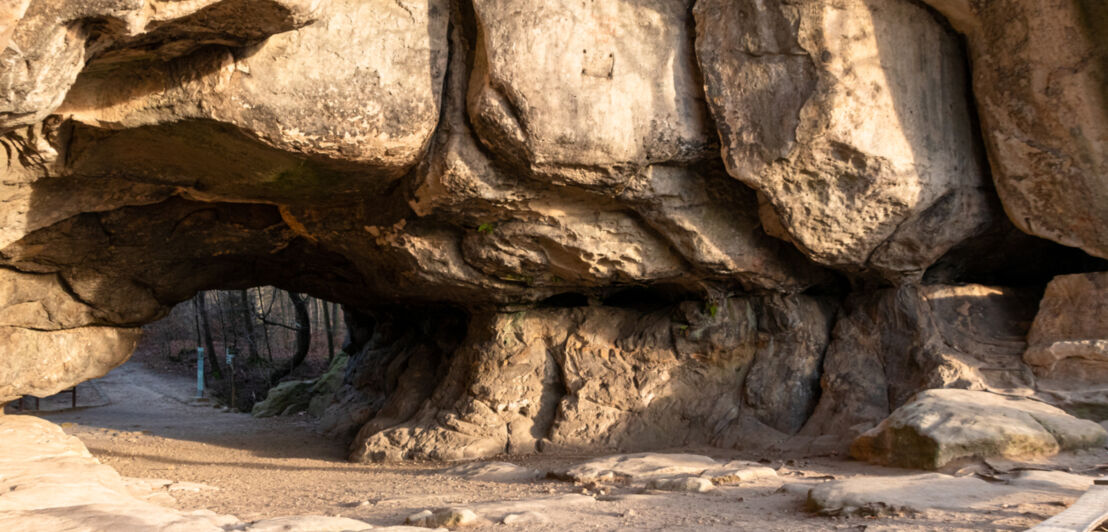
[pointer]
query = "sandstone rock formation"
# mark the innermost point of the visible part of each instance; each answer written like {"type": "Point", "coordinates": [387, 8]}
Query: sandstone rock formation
{"type": "Point", "coordinates": [938, 426]}
{"type": "Point", "coordinates": [850, 120]}
{"type": "Point", "coordinates": [889, 345]}
{"type": "Point", "coordinates": [562, 225]}
{"type": "Point", "coordinates": [1068, 343]}
{"type": "Point", "coordinates": [603, 377]}
{"type": "Point", "coordinates": [1039, 72]}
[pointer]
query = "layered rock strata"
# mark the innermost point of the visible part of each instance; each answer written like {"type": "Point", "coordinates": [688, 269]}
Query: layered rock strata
{"type": "Point", "coordinates": [564, 225]}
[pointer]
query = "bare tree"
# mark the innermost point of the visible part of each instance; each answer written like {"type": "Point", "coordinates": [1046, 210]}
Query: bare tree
{"type": "Point", "coordinates": [205, 324]}
{"type": "Point", "coordinates": [303, 326]}
{"type": "Point", "coordinates": [329, 328]}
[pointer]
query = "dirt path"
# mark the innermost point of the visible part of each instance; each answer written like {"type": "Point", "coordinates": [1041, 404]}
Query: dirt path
{"type": "Point", "coordinates": [279, 466]}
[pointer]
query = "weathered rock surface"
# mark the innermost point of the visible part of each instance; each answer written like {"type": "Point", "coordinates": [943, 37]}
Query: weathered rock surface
{"type": "Point", "coordinates": [618, 90]}
{"type": "Point", "coordinates": [449, 518]}
{"type": "Point", "coordinates": [527, 205]}
{"type": "Point", "coordinates": [51, 42]}
{"type": "Point", "coordinates": [312, 395]}
{"type": "Point", "coordinates": [638, 468]}
{"type": "Point", "coordinates": [851, 121]}
{"type": "Point", "coordinates": [666, 471]}
{"type": "Point", "coordinates": [315, 523]}
{"type": "Point", "coordinates": [911, 494]}
{"type": "Point", "coordinates": [496, 472]}
{"type": "Point", "coordinates": [603, 377]}
{"type": "Point", "coordinates": [1068, 344]}
{"type": "Point", "coordinates": [1039, 80]}
{"type": "Point", "coordinates": [51, 482]}
{"type": "Point", "coordinates": [287, 398]}
{"type": "Point", "coordinates": [938, 426]}
{"type": "Point", "coordinates": [893, 343]}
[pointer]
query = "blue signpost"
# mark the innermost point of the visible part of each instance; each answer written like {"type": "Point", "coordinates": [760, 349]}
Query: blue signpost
{"type": "Point", "coordinates": [199, 372]}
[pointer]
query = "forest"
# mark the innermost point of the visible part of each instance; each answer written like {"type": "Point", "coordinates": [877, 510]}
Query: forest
{"type": "Point", "coordinates": [251, 340]}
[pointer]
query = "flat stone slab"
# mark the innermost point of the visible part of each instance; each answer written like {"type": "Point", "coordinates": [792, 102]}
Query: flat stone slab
{"type": "Point", "coordinates": [875, 496]}
{"type": "Point", "coordinates": [311, 523]}
{"type": "Point", "coordinates": [496, 472]}
{"type": "Point", "coordinates": [643, 468]}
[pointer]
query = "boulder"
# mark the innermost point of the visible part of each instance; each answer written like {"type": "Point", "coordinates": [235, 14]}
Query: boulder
{"type": "Point", "coordinates": [1067, 346]}
{"type": "Point", "coordinates": [1038, 79]}
{"type": "Point", "coordinates": [51, 482]}
{"type": "Point", "coordinates": [326, 385]}
{"type": "Point", "coordinates": [938, 426]}
{"type": "Point", "coordinates": [618, 89]}
{"type": "Point", "coordinates": [449, 518]}
{"type": "Point", "coordinates": [308, 523]}
{"type": "Point", "coordinates": [890, 344]}
{"type": "Point", "coordinates": [851, 121]}
{"type": "Point", "coordinates": [289, 397]}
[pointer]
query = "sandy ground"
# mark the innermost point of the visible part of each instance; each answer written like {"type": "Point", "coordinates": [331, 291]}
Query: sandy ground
{"type": "Point", "coordinates": [146, 427]}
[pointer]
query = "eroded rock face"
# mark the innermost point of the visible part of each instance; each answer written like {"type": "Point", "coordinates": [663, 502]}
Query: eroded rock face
{"type": "Point", "coordinates": [528, 207]}
{"type": "Point", "coordinates": [1068, 343]}
{"type": "Point", "coordinates": [889, 345]}
{"type": "Point", "coordinates": [617, 91]}
{"type": "Point", "coordinates": [851, 121]}
{"type": "Point", "coordinates": [603, 377]}
{"type": "Point", "coordinates": [1039, 72]}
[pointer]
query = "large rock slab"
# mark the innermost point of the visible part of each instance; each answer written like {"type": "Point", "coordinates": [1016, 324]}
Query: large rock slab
{"type": "Point", "coordinates": [1038, 78]}
{"type": "Point", "coordinates": [938, 426]}
{"type": "Point", "coordinates": [51, 482]}
{"type": "Point", "coordinates": [890, 344]}
{"type": "Point", "coordinates": [661, 468]}
{"type": "Point", "coordinates": [913, 494]}
{"type": "Point", "coordinates": [1068, 343]}
{"type": "Point", "coordinates": [851, 121]}
{"type": "Point", "coordinates": [359, 88]}
{"type": "Point", "coordinates": [618, 88]}
{"type": "Point", "coordinates": [42, 363]}
{"type": "Point", "coordinates": [47, 44]}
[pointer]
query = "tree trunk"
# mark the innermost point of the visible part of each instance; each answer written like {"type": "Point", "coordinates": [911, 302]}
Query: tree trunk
{"type": "Point", "coordinates": [329, 330]}
{"type": "Point", "coordinates": [248, 324]}
{"type": "Point", "coordinates": [265, 327]}
{"type": "Point", "coordinates": [303, 326]}
{"type": "Point", "coordinates": [209, 345]}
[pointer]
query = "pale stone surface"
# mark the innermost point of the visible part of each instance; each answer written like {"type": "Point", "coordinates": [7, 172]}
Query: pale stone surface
{"type": "Point", "coordinates": [687, 484]}
{"type": "Point", "coordinates": [1039, 72]}
{"type": "Point", "coordinates": [851, 121]}
{"type": "Point", "coordinates": [496, 472]}
{"type": "Point", "coordinates": [912, 494]}
{"type": "Point", "coordinates": [51, 361]}
{"type": "Point", "coordinates": [617, 90]}
{"type": "Point", "coordinates": [667, 471]}
{"type": "Point", "coordinates": [639, 468]}
{"type": "Point", "coordinates": [449, 518]}
{"type": "Point", "coordinates": [51, 482]}
{"type": "Point", "coordinates": [50, 42]}
{"type": "Point", "coordinates": [310, 523]}
{"type": "Point", "coordinates": [1068, 344]}
{"type": "Point", "coordinates": [938, 426]}
{"type": "Point", "coordinates": [738, 472]}
{"type": "Point", "coordinates": [891, 344]}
